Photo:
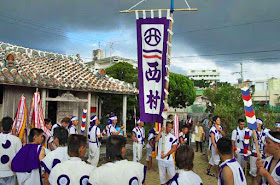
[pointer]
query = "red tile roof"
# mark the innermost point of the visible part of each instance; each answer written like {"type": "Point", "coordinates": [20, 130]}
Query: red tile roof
{"type": "Point", "coordinates": [28, 67]}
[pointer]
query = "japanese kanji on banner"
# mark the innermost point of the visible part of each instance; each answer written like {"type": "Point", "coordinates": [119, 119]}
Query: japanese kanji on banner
{"type": "Point", "coordinates": [152, 39]}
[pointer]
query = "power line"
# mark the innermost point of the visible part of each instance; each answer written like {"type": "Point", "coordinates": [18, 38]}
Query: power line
{"type": "Point", "coordinates": [223, 54]}
{"type": "Point", "coordinates": [227, 26]}
{"type": "Point", "coordinates": [57, 31]}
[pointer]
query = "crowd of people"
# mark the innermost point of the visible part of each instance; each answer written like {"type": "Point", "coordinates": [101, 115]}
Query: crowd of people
{"type": "Point", "coordinates": [61, 158]}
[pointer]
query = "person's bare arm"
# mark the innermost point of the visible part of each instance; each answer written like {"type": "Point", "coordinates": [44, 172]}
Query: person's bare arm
{"type": "Point", "coordinates": [227, 176]}
{"type": "Point", "coordinates": [134, 137]}
{"type": "Point", "coordinates": [262, 172]}
{"type": "Point", "coordinates": [221, 131]}
{"type": "Point", "coordinates": [42, 154]}
{"type": "Point", "coordinates": [173, 149]}
{"type": "Point", "coordinates": [46, 180]}
{"type": "Point", "coordinates": [159, 134]}
{"type": "Point", "coordinates": [213, 142]}
{"type": "Point", "coordinates": [182, 140]}
{"type": "Point", "coordinates": [233, 146]}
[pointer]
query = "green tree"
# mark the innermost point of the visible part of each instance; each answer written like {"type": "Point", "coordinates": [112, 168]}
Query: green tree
{"type": "Point", "coordinates": [226, 101]}
{"type": "Point", "coordinates": [181, 91]}
{"type": "Point", "coordinates": [114, 102]}
{"type": "Point", "coordinates": [201, 83]}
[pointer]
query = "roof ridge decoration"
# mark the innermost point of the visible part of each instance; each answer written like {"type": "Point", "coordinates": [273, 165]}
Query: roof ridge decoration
{"type": "Point", "coordinates": [35, 68]}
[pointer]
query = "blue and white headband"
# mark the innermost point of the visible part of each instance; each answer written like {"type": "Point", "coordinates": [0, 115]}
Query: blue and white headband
{"type": "Point", "coordinates": [272, 138]}
{"type": "Point", "coordinates": [277, 125]}
{"type": "Point", "coordinates": [259, 121]}
{"type": "Point", "coordinates": [93, 118]}
{"type": "Point", "coordinates": [138, 121]}
{"type": "Point", "coordinates": [74, 118]}
{"type": "Point", "coordinates": [113, 118]}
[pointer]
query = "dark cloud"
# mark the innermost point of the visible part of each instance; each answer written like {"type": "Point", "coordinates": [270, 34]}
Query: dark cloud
{"type": "Point", "coordinates": [46, 23]}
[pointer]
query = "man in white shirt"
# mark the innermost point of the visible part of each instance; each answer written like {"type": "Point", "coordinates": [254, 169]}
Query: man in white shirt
{"type": "Point", "coordinates": [74, 170]}
{"type": "Point", "coordinates": [94, 139]}
{"type": "Point", "coordinates": [118, 171]}
{"type": "Point", "coordinates": [9, 146]}
{"type": "Point", "coordinates": [237, 139]}
{"type": "Point", "coordinates": [58, 155]}
{"type": "Point", "coordinates": [138, 137]}
{"type": "Point", "coordinates": [164, 157]}
{"type": "Point", "coordinates": [72, 127]}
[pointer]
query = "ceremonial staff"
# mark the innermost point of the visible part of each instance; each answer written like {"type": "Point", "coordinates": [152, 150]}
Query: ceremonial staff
{"type": "Point", "coordinates": [170, 32]}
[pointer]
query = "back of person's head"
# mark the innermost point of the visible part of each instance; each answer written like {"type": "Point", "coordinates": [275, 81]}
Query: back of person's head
{"type": "Point", "coordinates": [215, 118]}
{"type": "Point", "coordinates": [61, 134]}
{"type": "Point", "coordinates": [75, 141]}
{"type": "Point", "coordinates": [34, 132]}
{"type": "Point", "coordinates": [240, 120]}
{"type": "Point", "coordinates": [66, 120]}
{"type": "Point", "coordinates": [184, 157]}
{"type": "Point", "coordinates": [7, 123]}
{"type": "Point", "coordinates": [224, 146]}
{"type": "Point", "coordinates": [43, 140]}
{"type": "Point", "coordinates": [114, 146]}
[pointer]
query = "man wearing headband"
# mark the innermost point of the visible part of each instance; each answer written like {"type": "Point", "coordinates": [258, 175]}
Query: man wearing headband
{"type": "Point", "coordinates": [277, 125]}
{"type": "Point", "coordinates": [261, 142]}
{"type": "Point", "coordinates": [237, 139]}
{"type": "Point", "coordinates": [138, 136]}
{"type": "Point", "coordinates": [94, 139]}
{"type": "Point", "coordinates": [269, 169]}
{"type": "Point", "coordinates": [72, 127]}
{"type": "Point", "coordinates": [111, 128]}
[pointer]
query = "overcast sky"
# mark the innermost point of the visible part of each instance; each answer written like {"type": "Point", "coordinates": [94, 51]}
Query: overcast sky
{"type": "Point", "coordinates": [220, 35]}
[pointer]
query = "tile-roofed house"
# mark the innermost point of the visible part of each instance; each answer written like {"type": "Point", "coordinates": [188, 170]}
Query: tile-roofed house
{"type": "Point", "coordinates": [63, 79]}
{"type": "Point", "coordinates": [27, 67]}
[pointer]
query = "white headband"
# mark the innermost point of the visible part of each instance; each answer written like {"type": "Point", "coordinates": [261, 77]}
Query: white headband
{"type": "Point", "coordinates": [277, 124]}
{"type": "Point", "coordinates": [113, 118]}
{"type": "Point", "coordinates": [259, 121]}
{"type": "Point", "coordinates": [94, 118]}
{"type": "Point", "coordinates": [74, 118]}
{"type": "Point", "coordinates": [273, 138]}
{"type": "Point", "coordinates": [138, 121]}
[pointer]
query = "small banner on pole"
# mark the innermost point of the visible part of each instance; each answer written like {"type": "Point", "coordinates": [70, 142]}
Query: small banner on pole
{"type": "Point", "coordinates": [152, 36]}
{"type": "Point", "coordinates": [249, 108]}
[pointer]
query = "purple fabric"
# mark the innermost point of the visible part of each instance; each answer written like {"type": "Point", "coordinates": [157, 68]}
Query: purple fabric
{"type": "Point", "coordinates": [146, 117]}
{"type": "Point", "coordinates": [145, 171]}
{"type": "Point", "coordinates": [45, 167]}
{"type": "Point", "coordinates": [27, 159]}
{"type": "Point", "coordinates": [173, 179]}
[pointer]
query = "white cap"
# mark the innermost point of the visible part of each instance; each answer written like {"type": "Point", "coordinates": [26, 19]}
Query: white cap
{"type": "Point", "coordinates": [74, 118]}
{"type": "Point", "coordinates": [113, 118]}
{"type": "Point", "coordinates": [259, 121]}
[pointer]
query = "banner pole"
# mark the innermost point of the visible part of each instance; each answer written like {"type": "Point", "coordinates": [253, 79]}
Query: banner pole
{"type": "Point", "coordinates": [167, 69]}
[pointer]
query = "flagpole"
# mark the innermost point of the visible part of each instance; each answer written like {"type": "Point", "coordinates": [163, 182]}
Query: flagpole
{"type": "Point", "coordinates": [167, 68]}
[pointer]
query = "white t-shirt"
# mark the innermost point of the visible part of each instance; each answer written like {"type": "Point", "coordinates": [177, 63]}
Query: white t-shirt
{"type": "Point", "coordinates": [275, 172]}
{"type": "Point", "coordinates": [238, 136]}
{"type": "Point", "coordinates": [72, 130]}
{"type": "Point", "coordinates": [170, 140]}
{"type": "Point", "coordinates": [92, 136]}
{"type": "Point", "coordinates": [54, 126]}
{"type": "Point", "coordinates": [54, 157]}
{"type": "Point", "coordinates": [217, 135]}
{"type": "Point", "coordinates": [182, 135]}
{"type": "Point", "coordinates": [261, 140]}
{"type": "Point", "coordinates": [119, 173]}
{"type": "Point", "coordinates": [73, 171]}
{"type": "Point", "coordinates": [9, 147]}
{"type": "Point", "coordinates": [185, 178]}
{"type": "Point", "coordinates": [139, 134]}
{"type": "Point", "coordinates": [111, 129]}
{"type": "Point", "coordinates": [238, 174]}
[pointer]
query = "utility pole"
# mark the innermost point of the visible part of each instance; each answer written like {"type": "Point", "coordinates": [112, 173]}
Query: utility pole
{"type": "Point", "coordinates": [240, 72]}
{"type": "Point", "coordinates": [111, 50]}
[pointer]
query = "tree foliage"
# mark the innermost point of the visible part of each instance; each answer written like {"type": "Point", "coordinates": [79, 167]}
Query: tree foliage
{"type": "Point", "coordinates": [226, 102]}
{"type": "Point", "coordinates": [201, 83]}
{"type": "Point", "coordinates": [181, 91]}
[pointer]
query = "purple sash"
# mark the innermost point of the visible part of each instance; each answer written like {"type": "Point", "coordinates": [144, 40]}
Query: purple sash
{"type": "Point", "coordinates": [27, 159]}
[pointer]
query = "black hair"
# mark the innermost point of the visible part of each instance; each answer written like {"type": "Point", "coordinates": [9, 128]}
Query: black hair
{"type": "Point", "coordinates": [75, 141]}
{"type": "Point", "coordinates": [184, 126]}
{"type": "Point", "coordinates": [169, 116]}
{"type": "Point", "coordinates": [43, 140]}
{"type": "Point", "coordinates": [66, 120]}
{"type": "Point", "coordinates": [184, 157]}
{"type": "Point", "coordinates": [61, 134]}
{"type": "Point", "coordinates": [169, 122]}
{"type": "Point", "coordinates": [240, 120]}
{"type": "Point", "coordinates": [224, 146]}
{"type": "Point", "coordinates": [114, 146]}
{"type": "Point", "coordinates": [215, 118]}
{"type": "Point", "coordinates": [275, 134]}
{"type": "Point", "coordinates": [47, 120]}
{"type": "Point", "coordinates": [7, 123]}
{"type": "Point", "coordinates": [34, 132]}
{"type": "Point", "coordinates": [210, 115]}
